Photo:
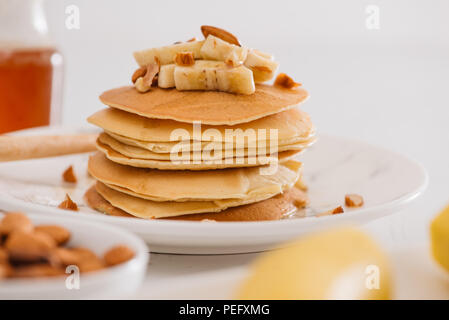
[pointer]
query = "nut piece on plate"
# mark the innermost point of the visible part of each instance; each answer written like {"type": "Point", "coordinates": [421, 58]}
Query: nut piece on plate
{"type": "Point", "coordinates": [68, 204]}
{"type": "Point", "coordinates": [216, 49]}
{"type": "Point", "coordinates": [283, 80]}
{"type": "Point", "coordinates": [118, 254]}
{"type": "Point", "coordinates": [262, 65]}
{"type": "Point", "coordinates": [219, 33]}
{"type": "Point", "coordinates": [60, 234]}
{"type": "Point", "coordinates": [15, 221]}
{"type": "Point", "coordinates": [184, 59]}
{"type": "Point", "coordinates": [69, 175]}
{"type": "Point", "coordinates": [29, 246]}
{"type": "Point", "coordinates": [353, 200]}
{"type": "Point", "coordinates": [337, 210]}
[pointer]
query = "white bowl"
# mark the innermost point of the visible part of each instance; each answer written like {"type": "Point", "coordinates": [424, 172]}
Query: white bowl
{"type": "Point", "coordinates": [113, 282]}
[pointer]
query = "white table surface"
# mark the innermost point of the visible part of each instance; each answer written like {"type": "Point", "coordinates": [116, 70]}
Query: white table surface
{"type": "Point", "coordinates": [217, 277]}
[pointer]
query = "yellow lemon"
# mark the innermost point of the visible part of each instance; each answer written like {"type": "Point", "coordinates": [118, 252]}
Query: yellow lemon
{"type": "Point", "coordinates": [439, 233]}
{"type": "Point", "coordinates": [343, 263]}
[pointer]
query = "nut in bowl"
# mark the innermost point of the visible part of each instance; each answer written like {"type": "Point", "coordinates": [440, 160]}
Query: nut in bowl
{"type": "Point", "coordinates": [61, 258]}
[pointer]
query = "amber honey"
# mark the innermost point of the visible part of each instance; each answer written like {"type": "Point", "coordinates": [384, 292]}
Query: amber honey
{"type": "Point", "coordinates": [27, 85]}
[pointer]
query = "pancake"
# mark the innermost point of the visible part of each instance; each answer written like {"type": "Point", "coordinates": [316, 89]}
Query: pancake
{"type": "Point", "coordinates": [97, 202]}
{"type": "Point", "coordinates": [166, 147]}
{"type": "Point", "coordinates": [275, 208]}
{"type": "Point", "coordinates": [148, 209]}
{"type": "Point", "coordinates": [209, 107]}
{"type": "Point", "coordinates": [140, 153]}
{"type": "Point", "coordinates": [289, 124]}
{"type": "Point", "coordinates": [271, 209]}
{"type": "Point", "coordinates": [157, 185]}
{"type": "Point", "coordinates": [117, 157]}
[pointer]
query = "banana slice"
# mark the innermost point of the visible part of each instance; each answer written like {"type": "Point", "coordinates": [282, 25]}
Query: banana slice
{"type": "Point", "coordinates": [167, 54]}
{"type": "Point", "coordinates": [214, 75]}
{"type": "Point", "coordinates": [166, 77]}
{"type": "Point", "coordinates": [263, 54]}
{"type": "Point", "coordinates": [262, 65]}
{"type": "Point", "coordinates": [216, 49]}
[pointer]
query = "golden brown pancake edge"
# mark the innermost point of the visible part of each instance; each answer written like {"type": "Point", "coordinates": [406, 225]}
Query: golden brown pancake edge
{"type": "Point", "coordinates": [117, 157]}
{"type": "Point", "coordinates": [208, 107]}
{"type": "Point", "coordinates": [271, 209]}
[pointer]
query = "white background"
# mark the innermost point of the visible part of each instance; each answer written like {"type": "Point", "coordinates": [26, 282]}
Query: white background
{"type": "Point", "coordinates": [388, 86]}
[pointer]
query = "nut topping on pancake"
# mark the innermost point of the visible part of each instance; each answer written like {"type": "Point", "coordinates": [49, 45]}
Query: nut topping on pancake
{"type": "Point", "coordinates": [220, 33]}
{"type": "Point", "coordinates": [140, 72]}
{"type": "Point", "coordinates": [184, 59]}
{"type": "Point", "coordinates": [285, 81]}
{"type": "Point", "coordinates": [220, 51]}
{"type": "Point", "coordinates": [144, 83]}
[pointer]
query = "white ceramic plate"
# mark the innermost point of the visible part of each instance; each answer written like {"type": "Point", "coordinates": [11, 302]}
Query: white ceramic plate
{"type": "Point", "coordinates": [114, 282]}
{"type": "Point", "coordinates": [333, 167]}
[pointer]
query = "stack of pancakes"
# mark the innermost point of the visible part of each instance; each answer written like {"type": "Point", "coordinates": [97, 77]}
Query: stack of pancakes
{"type": "Point", "coordinates": [166, 154]}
